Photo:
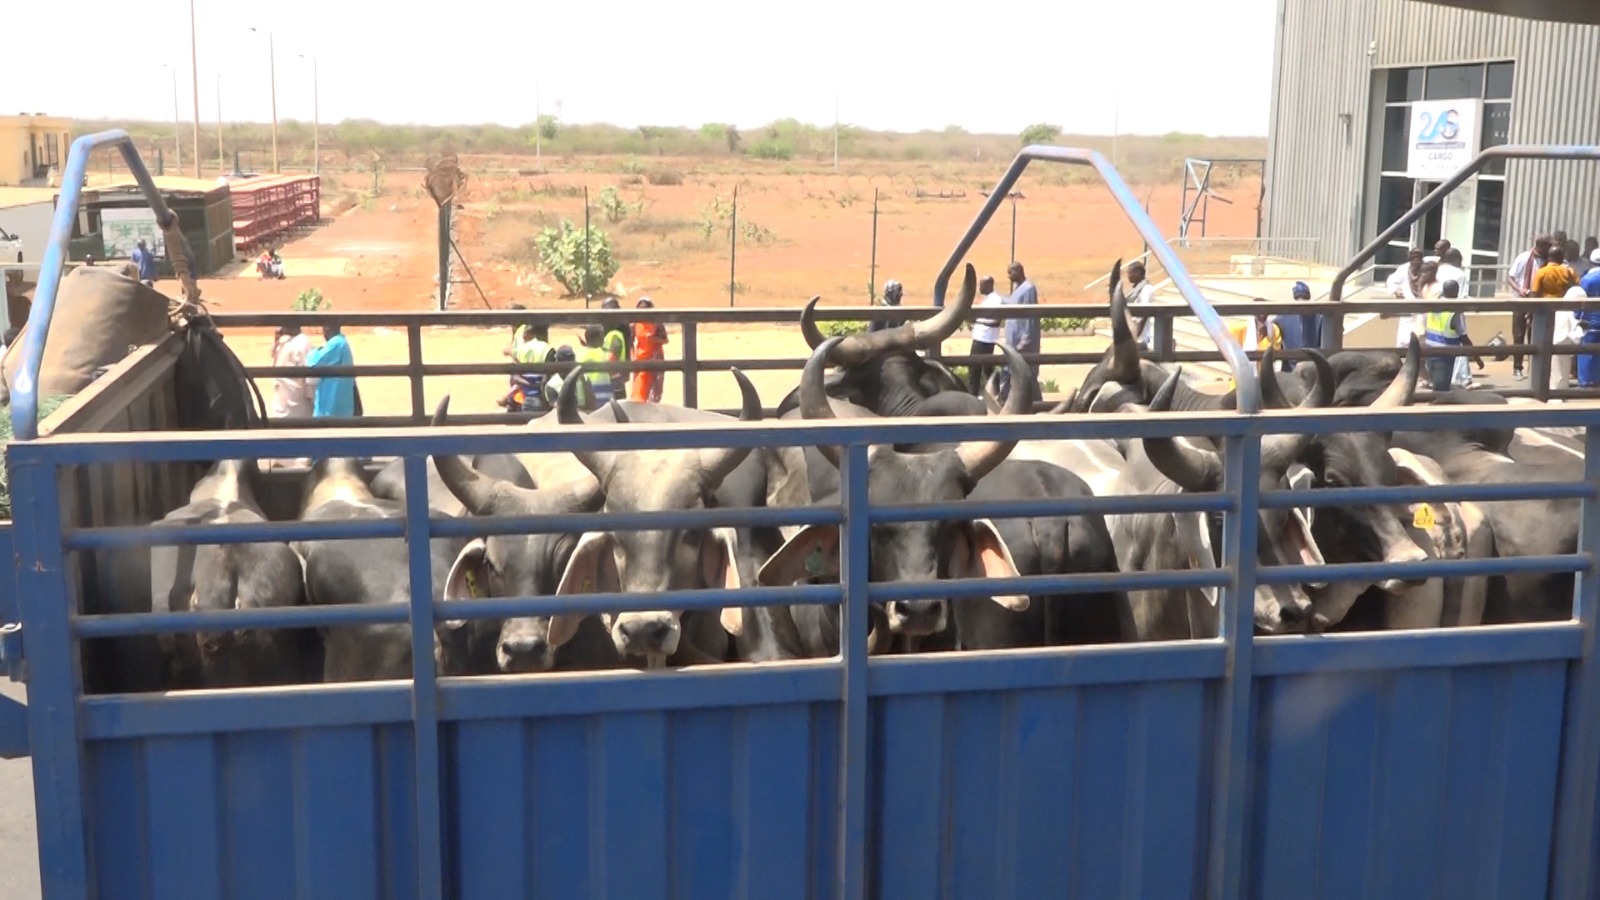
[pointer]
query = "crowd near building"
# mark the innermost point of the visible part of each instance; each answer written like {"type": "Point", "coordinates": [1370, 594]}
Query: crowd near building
{"type": "Point", "coordinates": [1377, 102]}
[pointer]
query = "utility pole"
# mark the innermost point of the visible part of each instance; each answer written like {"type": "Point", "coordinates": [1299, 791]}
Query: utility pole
{"type": "Point", "coordinates": [272, 74]}
{"type": "Point", "coordinates": [222, 161]}
{"type": "Point", "coordinates": [316, 117]}
{"type": "Point", "coordinates": [538, 126]}
{"type": "Point", "coordinates": [194, 71]}
{"type": "Point", "coordinates": [836, 131]}
{"type": "Point", "coordinates": [177, 133]}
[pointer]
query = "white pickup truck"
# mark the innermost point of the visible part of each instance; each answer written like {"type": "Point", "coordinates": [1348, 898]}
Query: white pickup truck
{"type": "Point", "coordinates": [10, 246]}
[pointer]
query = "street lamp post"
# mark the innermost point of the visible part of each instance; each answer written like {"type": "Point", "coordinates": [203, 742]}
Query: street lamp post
{"type": "Point", "coordinates": [177, 134]}
{"type": "Point", "coordinates": [194, 72]}
{"type": "Point", "coordinates": [316, 117]}
{"type": "Point", "coordinates": [272, 74]}
{"type": "Point", "coordinates": [222, 164]}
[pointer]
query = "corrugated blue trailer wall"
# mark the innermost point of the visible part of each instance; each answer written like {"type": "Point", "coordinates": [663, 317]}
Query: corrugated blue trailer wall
{"type": "Point", "coordinates": [1378, 765]}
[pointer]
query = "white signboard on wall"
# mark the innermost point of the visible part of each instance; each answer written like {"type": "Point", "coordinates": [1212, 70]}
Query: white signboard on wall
{"type": "Point", "coordinates": [122, 229]}
{"type": "Point", "coordinates": [1443, 137]}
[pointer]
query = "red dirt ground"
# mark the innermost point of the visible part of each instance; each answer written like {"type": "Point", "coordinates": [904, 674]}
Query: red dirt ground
{"type": "Point", "coordinates": [811, 233]}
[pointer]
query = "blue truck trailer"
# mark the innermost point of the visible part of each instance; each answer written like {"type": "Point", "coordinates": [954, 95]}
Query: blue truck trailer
{"type": "Point", "coordinates": [1451, 763]}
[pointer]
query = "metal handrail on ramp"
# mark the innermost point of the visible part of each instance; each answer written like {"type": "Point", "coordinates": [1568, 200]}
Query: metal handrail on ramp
{"type": "Point", "coordinates": [1244, 374]}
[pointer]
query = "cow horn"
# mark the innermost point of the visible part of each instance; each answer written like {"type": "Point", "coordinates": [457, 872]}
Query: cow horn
{"type": "Point", "coordinates": [474, 489]}
{"type": "Point", "coordinates": [858, 348]}
{"type": "Point", "coordinates": [720, 462]}
{"type": "Point", "coordinates": [1280, 450]}
{"type": "Point", "coordinates": [1189, 467]}
{"type": "Point", "coordinates": [814, 398]}
{"type": "Point", "coordinates": [598, 462]}
{"type": "Point", "coordinates": [1123, 356]}
{"type": "Point", "coordinates": [808, 327]}
{"type": "Point", "coordinates": [1272, 396]}
{"type": "Point", "coordinates": [980, 457]}
{"type": "Point", "coordinates": [1404, 386]}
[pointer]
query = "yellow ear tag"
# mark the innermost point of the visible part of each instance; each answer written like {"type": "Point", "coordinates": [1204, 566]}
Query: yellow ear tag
{"type": "Point", "coordinates": [472, 584]}
{"type": "Point", "coordinates": [1424, 516]}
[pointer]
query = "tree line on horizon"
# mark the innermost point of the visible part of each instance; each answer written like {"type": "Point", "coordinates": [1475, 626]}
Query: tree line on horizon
{"type": "Point", "coordinates": [361, 143]}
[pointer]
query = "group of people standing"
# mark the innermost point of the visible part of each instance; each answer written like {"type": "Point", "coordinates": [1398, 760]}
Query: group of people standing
{"type": "Point", "coordinates": [597, 344]}
{"type": "Point", "coordinates": [302, 397]}
{"type": "Point", "coordinates": [1020, 332]}
{"type": "Point", "coordinates": [1435, 276]}
{"type": "Point", "coordinates": [1556, 267]}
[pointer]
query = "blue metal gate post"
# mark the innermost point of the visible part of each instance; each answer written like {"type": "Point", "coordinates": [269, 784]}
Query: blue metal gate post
{"type": "Point", "coordinates": [1578, 792]}
{"type": "Point", "coordinates": [47, 613]}
{"type": "Point", "coordinates": [852, 811]}
{"type": "Point", "coordinates": [1231, 755]}
{"type": "Point", "coordinates": [424, 684]}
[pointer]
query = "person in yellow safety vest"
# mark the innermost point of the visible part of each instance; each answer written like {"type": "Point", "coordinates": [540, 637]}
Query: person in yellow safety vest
{"type": "Point", "coordinates": [593, 353]}
{"type": "Point", "coordinates": [1444, 329]}
{"type": "Point", "coordinates": [530, 344]}
{"type": "Point", "coordinates": [615, 343]}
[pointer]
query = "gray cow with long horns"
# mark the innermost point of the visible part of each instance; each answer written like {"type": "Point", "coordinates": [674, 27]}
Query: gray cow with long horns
{"type": "Point", "coordinates": [901, 551]}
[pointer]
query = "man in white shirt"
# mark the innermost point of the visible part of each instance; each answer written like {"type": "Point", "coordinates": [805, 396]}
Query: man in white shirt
{"type": "Point", "coordinates": [1140, 292]}
{"type": "Point", "coordinates": [1450, 269]}
{"type": "Point", "coordinates": [985, 334]}
{"type": "Point", "coordinates": [291, 396]}
{"type": "Point", "coordinates": [1520, 278]}
{"type": "Point", "coordinates": [1400, 286]}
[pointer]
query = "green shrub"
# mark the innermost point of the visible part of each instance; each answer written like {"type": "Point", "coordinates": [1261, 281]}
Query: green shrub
{"type": "Point", "coordinates": [561, 254]}
{"type": "Point", "coordinates": [1063, 323]}
{"type": "Point", "coordinates": [1041, 133]}
{"type": "Point", "coordinates": [310, 300]}
{"type": "Point", "coordinates": [842, 329]}
{"type": "Point", "coordinates": [771, 148]}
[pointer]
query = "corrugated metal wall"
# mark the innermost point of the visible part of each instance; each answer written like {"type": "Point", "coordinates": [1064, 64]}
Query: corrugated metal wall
{"type": "Point", "coordinates": [1318, 132]}
{"type": "Point", "coordinates": [1324, 69]}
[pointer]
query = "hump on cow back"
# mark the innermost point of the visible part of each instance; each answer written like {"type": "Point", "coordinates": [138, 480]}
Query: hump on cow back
{"type": "Point", "coordinates": [99, 316]}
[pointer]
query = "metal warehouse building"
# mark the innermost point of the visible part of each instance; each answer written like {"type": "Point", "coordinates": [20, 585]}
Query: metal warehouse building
{"type": "Point", "coordinates": [1377, 101]}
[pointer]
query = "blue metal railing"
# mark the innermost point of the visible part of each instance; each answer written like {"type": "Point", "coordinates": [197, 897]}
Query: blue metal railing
{"type": "Point", "coordinates": [1244, 374]}
{"type": "Point", "coordinates": [1232, 659]}
{"type": "Point", "coordinates": [25, 392]}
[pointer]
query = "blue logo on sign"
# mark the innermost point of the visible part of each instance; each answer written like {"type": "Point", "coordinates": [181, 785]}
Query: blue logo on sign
{"type": "Point", "coordinates": [1444, 127]}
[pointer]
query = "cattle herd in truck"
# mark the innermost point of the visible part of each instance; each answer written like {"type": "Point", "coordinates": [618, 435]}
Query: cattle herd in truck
{"type": "Point", "coordinates": [884, 374]}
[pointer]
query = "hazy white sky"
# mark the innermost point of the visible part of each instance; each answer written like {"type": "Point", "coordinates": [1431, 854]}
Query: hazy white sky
{"type": "Point", "coordinates": [994, 66]}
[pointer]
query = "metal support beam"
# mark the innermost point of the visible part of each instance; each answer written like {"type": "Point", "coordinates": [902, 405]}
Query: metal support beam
{"type": "Point", "coordinates": [1244, 373]}
{"type": "Point", "coordinates": [1333, 326]}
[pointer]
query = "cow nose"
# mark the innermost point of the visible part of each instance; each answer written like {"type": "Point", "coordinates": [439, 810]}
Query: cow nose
{"type": "Point", "coordinates": [645, 636]}
{"type": "Point", "coordinates": [524, 654]}
{"type": "Point", "coordinates": [1293, 614]}
{"type": "Point", "coordinates": [916, 617]}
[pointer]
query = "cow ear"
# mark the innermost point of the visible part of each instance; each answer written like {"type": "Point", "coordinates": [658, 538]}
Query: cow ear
{"type": "Point", "coordinates": [467, 574]}
{"type": "Point", "coordinates": [1194, 542]}
{"type": "Point", "coordinates": [1411, 469]}
{"type": "Point", "coordinates": [719, 568]}
{"type": "Point", "coordinates": [468, 578]}
{"type": "Point", "coordinates": [590, 569]}
{"type": "Point", "coordinates": [1302, 478]}
{"type": "Point", "coordinates": [980, 552]}
{"type": "Point", "coordinates": [813, 553]}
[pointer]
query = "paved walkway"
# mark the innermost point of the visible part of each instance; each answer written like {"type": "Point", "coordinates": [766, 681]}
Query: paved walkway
{"type": "Point", "coordinates": [19, 851]}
